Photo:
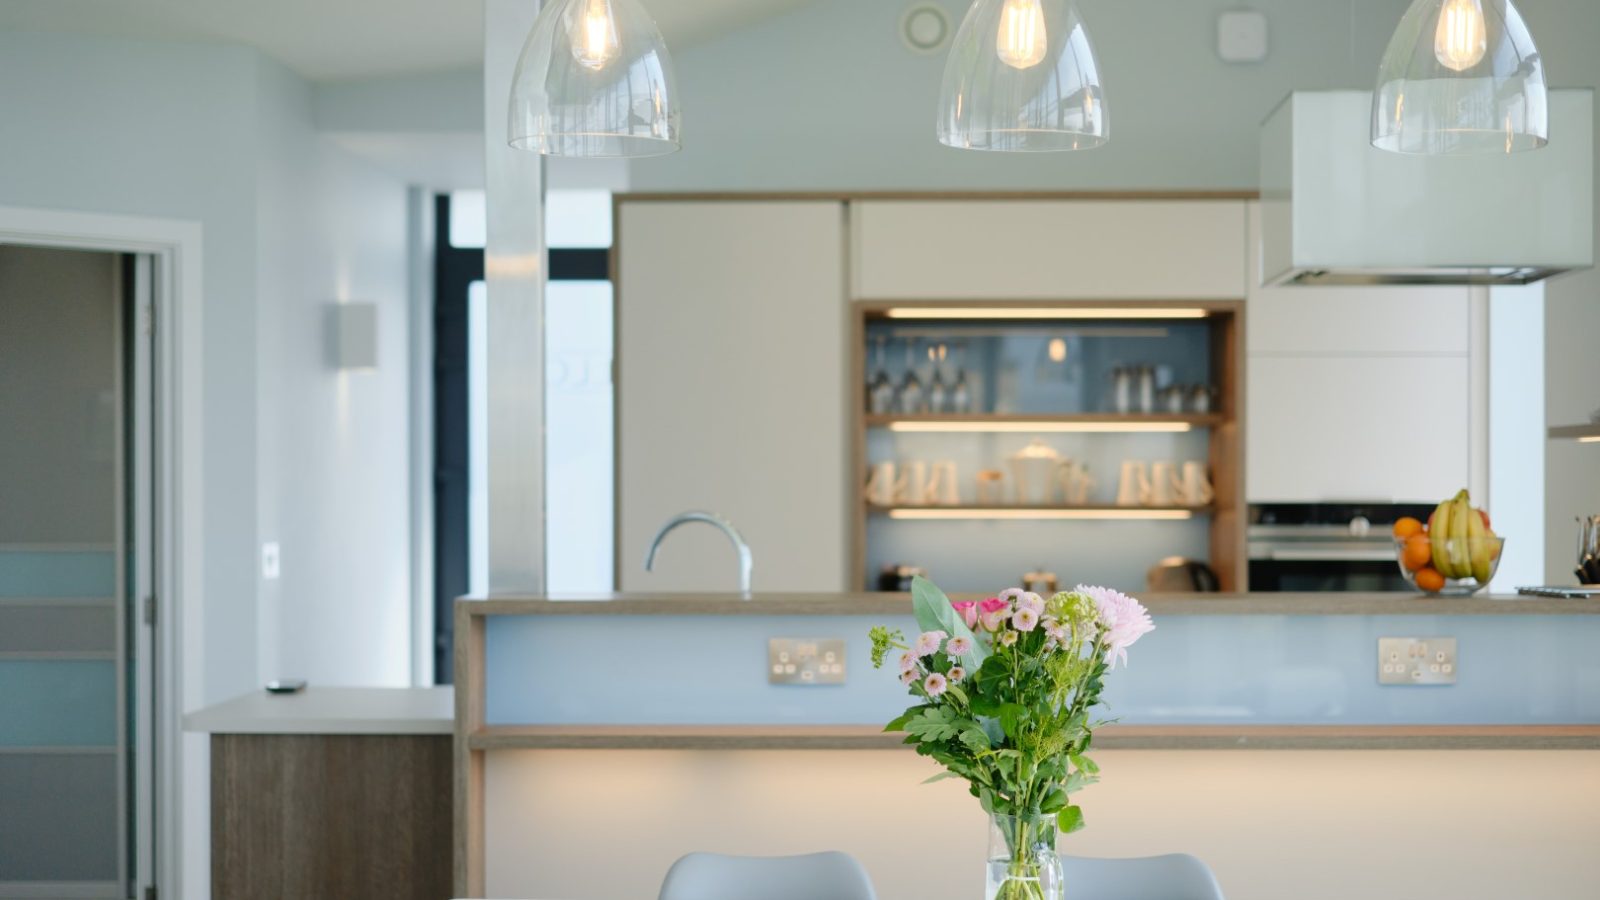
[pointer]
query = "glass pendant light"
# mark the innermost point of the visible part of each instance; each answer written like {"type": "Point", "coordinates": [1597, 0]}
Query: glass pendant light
{"type": "Point", "coordinates": [1459, 77]}
{"type": "Point", "coordinates": [1021, 76]}
{"type": "Point", "coordinates": [594, 80]}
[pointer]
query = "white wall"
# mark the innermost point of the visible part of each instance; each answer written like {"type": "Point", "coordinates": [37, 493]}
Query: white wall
{"type": "Point", "coordinates": [332, 446]}
{"type": "Point", "coordinates": [157, 129]}
{"type": "Point", "coordinates": [1306, 825]}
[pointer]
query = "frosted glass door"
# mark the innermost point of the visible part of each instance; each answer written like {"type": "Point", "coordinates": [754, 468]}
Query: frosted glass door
{"type": "Point", "coordinates": [63, 677]}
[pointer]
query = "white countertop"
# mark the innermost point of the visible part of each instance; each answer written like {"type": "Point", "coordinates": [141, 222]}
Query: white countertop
{"type": "Point", "coordinates": [331, 710]}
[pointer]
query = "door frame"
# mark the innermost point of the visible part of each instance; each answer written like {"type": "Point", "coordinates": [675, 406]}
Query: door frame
{"type": "Point", "coordinates": [180, 788]}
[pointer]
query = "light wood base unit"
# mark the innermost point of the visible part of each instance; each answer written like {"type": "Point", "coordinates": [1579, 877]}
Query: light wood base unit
{"type": "Point", "coordinates": [311, 816]}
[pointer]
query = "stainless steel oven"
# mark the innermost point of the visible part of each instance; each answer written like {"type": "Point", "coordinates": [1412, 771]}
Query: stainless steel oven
{"type": "Point", "coordinates": [1327, 546]}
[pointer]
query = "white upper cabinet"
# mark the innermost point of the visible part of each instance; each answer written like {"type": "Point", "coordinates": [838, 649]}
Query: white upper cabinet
{"type": "Point", "coordinates": [1380, 428]}
{"type": "Point", "coordinates": [731, 391]}
{"type": "Point", "coordinates": [1357, 320]}
{"type": "Point", "coordinates": [1048, 249]}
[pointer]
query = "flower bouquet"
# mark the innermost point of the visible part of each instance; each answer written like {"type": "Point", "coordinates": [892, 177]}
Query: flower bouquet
{"type": "Point", "coordinates": [1004, 690]}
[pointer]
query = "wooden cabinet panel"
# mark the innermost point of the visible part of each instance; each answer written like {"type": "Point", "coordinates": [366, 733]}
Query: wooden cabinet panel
{"type": "Point", "coordinates": [1048, 249]}
{"type": "Point", "coordinates": [316, 816]}
{"type": "Point", "coordinates": [1357, 428]}
{"type": "Point", "coordinates": [1355, 320]}
{"type": "Point", "coordinates": [731, 391]}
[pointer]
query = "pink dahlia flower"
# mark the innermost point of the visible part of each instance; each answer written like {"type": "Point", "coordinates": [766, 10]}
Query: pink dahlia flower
{"type": "Point", "coordinates": [934, 684]}
{"type": "Point", "coordinates": [928, 642]}
{"type": "Point", "coordinates": [1122, 621]}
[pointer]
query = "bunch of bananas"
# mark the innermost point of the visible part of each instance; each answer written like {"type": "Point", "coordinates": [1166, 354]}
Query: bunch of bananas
{"type": "Point", "coordinates": [1463, 543]}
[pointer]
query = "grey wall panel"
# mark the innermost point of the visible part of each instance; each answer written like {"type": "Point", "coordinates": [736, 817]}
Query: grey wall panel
{"type": "Point", "coordinates": [58, 821]}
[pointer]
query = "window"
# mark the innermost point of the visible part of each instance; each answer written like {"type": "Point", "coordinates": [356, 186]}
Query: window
{"type": "Point", "coordinates": [579, 439]}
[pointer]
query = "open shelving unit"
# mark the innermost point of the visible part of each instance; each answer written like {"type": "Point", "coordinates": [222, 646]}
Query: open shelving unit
{"type": "Point", "coordinates": [1087, 419]}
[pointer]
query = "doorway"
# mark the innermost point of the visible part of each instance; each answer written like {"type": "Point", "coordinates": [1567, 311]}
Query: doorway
{"type": "Point", "coordinates": [77, 551]}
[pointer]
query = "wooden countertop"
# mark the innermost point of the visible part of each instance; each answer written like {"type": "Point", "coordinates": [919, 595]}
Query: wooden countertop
{"type": "Point", "coordinates": [883, 604]}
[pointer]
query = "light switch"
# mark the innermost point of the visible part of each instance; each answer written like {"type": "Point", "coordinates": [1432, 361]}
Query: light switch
{"type": "Point", "coordinates": [269, 560]}
{"type": "Point", "coordinates": [1420, 661]}
{"type": "Point", "coordinates": [805, 661]}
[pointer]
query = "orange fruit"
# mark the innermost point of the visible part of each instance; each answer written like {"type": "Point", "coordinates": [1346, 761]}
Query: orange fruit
{"type": "Point", "coordinates": [1406, 527]}
{"type": "Point", "coordinates": [1417, 552]}
{"type": "Point", "coordinates": [1485, 518]}
{"type": "Point", "coordinates": [1429, 579]}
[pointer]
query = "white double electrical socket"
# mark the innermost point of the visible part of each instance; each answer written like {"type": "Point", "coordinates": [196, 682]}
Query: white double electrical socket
{"type": "Point", "coordinates": [805, 661]}
{"type": "Point", "coordinates": [1425, 661]}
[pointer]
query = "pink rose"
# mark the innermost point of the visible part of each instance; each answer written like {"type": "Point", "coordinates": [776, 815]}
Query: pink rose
{"type": "Point", "coordinates": [968, 610]}
{"type": "Point", "coordinates": [993, 612]}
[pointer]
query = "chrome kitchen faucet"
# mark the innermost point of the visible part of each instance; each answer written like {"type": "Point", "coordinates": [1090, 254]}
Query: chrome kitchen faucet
{"type": "Point", "coordinates": [746, 561]}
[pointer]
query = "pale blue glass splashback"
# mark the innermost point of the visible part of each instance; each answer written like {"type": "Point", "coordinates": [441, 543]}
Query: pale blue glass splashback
{"type": "Point", "coordinates": [1191, 670]}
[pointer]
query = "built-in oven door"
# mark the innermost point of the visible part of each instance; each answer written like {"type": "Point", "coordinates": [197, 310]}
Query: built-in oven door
{"type": "Point", "coordinates": [1314, 574]}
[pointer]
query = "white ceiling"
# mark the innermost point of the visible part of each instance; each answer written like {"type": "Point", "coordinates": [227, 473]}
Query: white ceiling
{"type": "Point", "coordinates": [327, 40]}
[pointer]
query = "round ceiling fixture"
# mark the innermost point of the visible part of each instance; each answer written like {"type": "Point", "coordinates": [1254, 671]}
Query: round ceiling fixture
{"type": "Point", "coordinates": [925, 28]}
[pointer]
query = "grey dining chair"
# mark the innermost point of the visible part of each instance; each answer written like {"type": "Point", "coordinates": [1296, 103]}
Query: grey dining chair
{"type": "Point", "coordinates": [1175, 876]}
{"type": "Point", "coordinates": [814, 876]}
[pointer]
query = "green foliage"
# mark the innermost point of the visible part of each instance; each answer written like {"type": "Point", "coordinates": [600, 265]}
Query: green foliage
{"type": "Point", "coordinates": [883, 640]}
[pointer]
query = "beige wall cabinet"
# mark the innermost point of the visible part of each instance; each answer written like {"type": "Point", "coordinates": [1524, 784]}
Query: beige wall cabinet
{"type": "Point", "coordinates": [731, 390]}
{"type": "Point", "coordinates": [1360, 393]}
{"type": "Point", "coordinates": [1048, 249]}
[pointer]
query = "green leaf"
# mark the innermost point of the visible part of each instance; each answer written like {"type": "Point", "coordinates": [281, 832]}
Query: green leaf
{"type": "Point", "coordinates": [1085, 764]}
{"type": "Point", "coordinates": [940, 777]}
{"type": "Point", "coordinates": [1069, 820]}
{"type": "Point", "coordinates": [1010, 716]}
{"type": "Point", "coordinates": [898, 723]}
{"type": "Point", "coordinates": [1053, 802]}
{"type": "Point", "coordinates": [934, 613]}
{"type": "Point", "coordinates": [936, 724]}
{"type": "Point", "coordinates": [975, 738]}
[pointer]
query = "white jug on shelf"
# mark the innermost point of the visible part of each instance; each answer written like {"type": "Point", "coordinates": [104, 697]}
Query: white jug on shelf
{"type": "Point", "coordinates": [883, 487]}
{"type": "Point", "coordinates": [1194, 486]}
{"type": "Point", "coordinates": [944, 486]}
{"type": "Point", "coordinates": [915, 487]}
{"type": "Point", "coordinates": [1033, 471]}
{"type": "Point", "coordinates": [1075, 483]}
{"type": "Point", "coordinates": [1164, 484]}
{"type": "Point", "coordinates": [1134, 487]}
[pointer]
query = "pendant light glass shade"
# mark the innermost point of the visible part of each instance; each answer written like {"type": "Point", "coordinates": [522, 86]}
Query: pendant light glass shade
{"type": "Point", "coordinates": [1461, 77]}
{"type": "Point", "coordinates": [1021, 77]}
{"type": "Point", "coordinates": [594, 80]}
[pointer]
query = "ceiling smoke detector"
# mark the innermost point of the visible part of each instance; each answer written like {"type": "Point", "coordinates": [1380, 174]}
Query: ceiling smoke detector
{"type": "Point", "coordinates": [925, 28]}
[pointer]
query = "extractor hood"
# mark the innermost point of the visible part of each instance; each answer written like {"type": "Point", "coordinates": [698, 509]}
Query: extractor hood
{"type": "Point", "coordinates": [1336, 210]}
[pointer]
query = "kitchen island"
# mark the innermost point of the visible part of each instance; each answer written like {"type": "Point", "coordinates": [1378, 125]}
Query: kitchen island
{"type": "Point", "coordinates": [686, 683]}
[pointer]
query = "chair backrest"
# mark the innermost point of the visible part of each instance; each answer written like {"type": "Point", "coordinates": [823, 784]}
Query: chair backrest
{"type": "Point", "coordinates": [1175, 876]}
{"type": "Point", "coordinates": [815, 876]}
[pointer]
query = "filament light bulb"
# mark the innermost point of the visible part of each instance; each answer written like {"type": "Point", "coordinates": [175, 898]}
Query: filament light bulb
{"type": "Point", "coordinates": [1022, 42]}
{"type": "Point", "coordinates": [1462, 37]}
{"type": "Point", "coordinates": [593, 34]}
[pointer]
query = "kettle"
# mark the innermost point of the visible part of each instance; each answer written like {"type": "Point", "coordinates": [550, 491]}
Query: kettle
{"type": "Point", "coordinates": [1177, 574]}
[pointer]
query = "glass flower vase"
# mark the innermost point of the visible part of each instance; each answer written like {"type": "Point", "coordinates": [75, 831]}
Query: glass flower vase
{"type": "Point", "coordinates": [1023, 864]}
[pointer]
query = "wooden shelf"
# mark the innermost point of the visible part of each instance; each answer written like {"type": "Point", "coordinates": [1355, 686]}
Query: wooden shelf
{"type": "Point", "coordinates": [1110, 737]}
{"type": "Point", "coordinates": [1110, 423]}
{"type": "Point", "coordinates": [1585, 433]}
{"type": "Point", "coordinates": [999, 512]}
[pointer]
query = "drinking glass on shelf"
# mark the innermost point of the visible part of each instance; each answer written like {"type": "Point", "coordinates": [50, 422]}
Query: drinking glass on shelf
{"type": "Point", "coordinates": [938, 394]}
{"type": "Point", "coordinates": [910, 397]}
{"type": "Point", "coordinates": [960, 391]}
{"type": "Point", "coordinates": [1147, 389]}
{"type": "Point", "coordinates": [1122, 389]}
{"type": "Point", "coordinates": [880, 387]}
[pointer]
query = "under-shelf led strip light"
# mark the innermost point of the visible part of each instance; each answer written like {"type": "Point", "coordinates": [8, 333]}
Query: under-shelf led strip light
{"type": "Point", "coordinates": [1004, 513]}
{"type": "Point", "coordinates": [1107, 426]}
{"type": "Point", "coordinates": [1041, 312]}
